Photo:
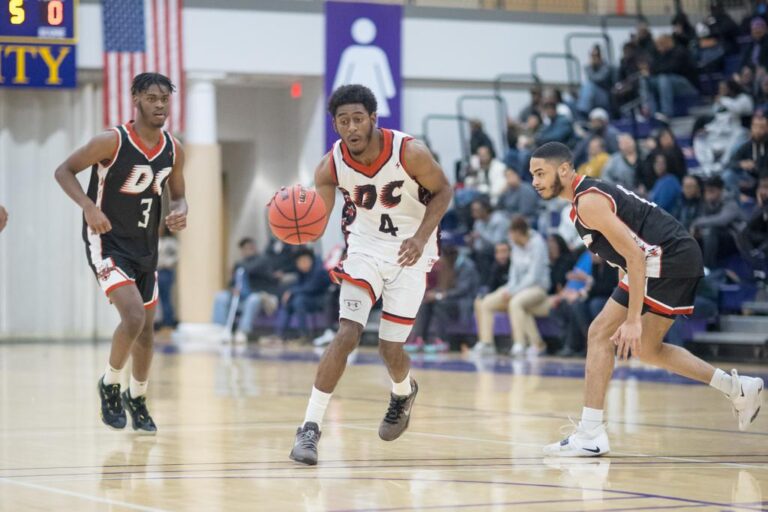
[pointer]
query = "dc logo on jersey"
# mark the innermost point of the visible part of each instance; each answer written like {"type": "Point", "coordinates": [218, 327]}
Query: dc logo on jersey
{"type": "Point", "coordinates": [141, 177]}
{"type": "Point", "coordinates": [390, 195]}
{"type": "Point", "coordinates": [352, 305]}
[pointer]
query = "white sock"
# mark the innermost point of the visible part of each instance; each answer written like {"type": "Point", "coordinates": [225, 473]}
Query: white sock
{"type": "Point", "coordinates": [138, 388]}
{"type": "Point", "coordinates": [722, 381]}
{"type": "Point", "coordinates": [112, 376]}
{"type": "Point", "coordinates": [318, 402]}
{"type": "Point", "coordinates": [402, 388]}
{"type": "Point", "coordinates": [591, 418]}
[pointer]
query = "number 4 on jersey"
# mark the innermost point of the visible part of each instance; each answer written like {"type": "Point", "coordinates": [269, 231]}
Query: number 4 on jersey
{"type": "Point", "coordinates": [387, 226]}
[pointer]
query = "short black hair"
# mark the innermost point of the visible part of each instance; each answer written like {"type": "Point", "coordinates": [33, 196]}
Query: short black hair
{"type": "Point", "coordinates": [554, 151]}
{"type": "Point", "coordinates": [144, 81]}
{"type": "Point", "coordinates": [519, 224]}
{"type": "Point", "coordinates": [245, 241]}
{"type": "Point", "coordinates": [715, 182]}
{"type": "Point", "coordinates": [484, 203]}
{"type": "Point", "coordinates": [304, 251]}
{"type": "Point", "coordinates": [349, 94]}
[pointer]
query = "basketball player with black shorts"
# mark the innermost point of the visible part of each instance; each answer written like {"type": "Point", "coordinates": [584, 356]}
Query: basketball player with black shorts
{"type": "Point", "coordinates": [394, 197]}
{"type": "Point", "coordinates": [130, 166]}
{"type": "Point", "coordinates": [660, 265]}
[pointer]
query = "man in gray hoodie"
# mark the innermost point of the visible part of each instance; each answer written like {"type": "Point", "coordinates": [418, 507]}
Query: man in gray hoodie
{"type": "Point", "coordinates": [523, 297]}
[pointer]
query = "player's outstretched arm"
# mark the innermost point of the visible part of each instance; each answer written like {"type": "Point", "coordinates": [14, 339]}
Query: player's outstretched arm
{"type": "Point", "coordinates": [423, 168]}
{"type": "Point", "coordinates": [325, 185]}
{"type": "Point", "coordinates": [596, 211]}
{"type": "Point", "coordinates": [176, 220]}
{"type": "Point", "coordinates": [100, 149]}
{"type": "Point", "coordinates": [3, 217]}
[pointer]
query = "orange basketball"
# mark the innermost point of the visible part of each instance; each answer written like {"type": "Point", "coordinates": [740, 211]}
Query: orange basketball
{"type": "Point", "coordinates": [296, 215]}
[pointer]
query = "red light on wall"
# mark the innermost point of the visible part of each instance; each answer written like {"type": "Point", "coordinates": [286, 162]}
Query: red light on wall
{"type": "Point", "coordinates": [296, 90]}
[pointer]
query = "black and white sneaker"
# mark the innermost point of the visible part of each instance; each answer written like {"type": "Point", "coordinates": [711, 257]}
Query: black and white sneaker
{"type": "Point", "coordinates": [112, 412]}
{"type": "Point", "coordinates": [398, 414]}
{"type": "Point", "coordinates": [142, 421]}
{"type": "Point", "coordinates": [305, 445]}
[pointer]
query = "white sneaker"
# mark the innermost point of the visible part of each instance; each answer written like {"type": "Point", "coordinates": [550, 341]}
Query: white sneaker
{"type": "Point", "coordinates": [483, 348]}
{"type": "Point", "coordinates": [518, 349]}
{"type": "Point", "coordinates": [324, 339]}
{"type": "Point", "coordinates": [581, 443]}
{"type": "Point", "coordinates": [747, 397]}
{"type": "Point", "coordinates": [240, 337]}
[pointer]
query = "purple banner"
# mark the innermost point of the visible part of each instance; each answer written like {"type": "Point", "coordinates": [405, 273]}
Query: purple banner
{"type": "Point", "coordinates": [362, 46]}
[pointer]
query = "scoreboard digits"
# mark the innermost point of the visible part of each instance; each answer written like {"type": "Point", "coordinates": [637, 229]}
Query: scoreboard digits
{"type": "Point", "coordinates": [34, 20]}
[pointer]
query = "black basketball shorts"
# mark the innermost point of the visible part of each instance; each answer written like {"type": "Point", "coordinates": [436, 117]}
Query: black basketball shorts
{"type": "Point", "coordinates": [112, 272]}
{"type": "Point", "coordinates": [665, 296]}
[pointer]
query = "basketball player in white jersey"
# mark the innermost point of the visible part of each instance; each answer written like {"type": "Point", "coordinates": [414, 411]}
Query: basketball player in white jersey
{"type": "Point", "coordinates": [394, 197]}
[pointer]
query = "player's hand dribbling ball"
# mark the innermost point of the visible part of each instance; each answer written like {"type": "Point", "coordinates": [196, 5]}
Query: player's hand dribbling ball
{"type": "Point", "coordinates": [296, 215]}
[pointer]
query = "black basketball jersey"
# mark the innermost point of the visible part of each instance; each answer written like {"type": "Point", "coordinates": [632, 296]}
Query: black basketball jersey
{"type": "Point", "coordinates": [670, 251]}
{"type": "Point", "coordinates": [129, 192]}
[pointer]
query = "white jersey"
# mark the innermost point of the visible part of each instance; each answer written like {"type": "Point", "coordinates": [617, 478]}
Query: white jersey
{"type": "Point", "coordinates": [383, 204]}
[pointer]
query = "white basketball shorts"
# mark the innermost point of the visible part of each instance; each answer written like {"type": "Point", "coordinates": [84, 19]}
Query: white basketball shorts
{"type": "Point", "coordinates": [364, 279]}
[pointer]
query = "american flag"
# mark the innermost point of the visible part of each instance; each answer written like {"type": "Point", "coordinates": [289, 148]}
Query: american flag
{"type": "Point", "coordinates": [141, 36]}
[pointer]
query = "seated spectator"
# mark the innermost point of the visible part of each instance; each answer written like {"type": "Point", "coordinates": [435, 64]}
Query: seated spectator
{"type": "Point", "coordinates": [598, 157]}
{"type": "Point", "coordinates": [705, 305]}
{"type": "Point", "coordinates": [761, 95]}
{"type": "Point", "coordinates": [534, 107]}
{"type": "Point", "coordinates": [747, 80]}
{"type": "Point", "coordinates": [708, 51]}
{"type": "Point", "coordinates": [682, 31]}
{"type": "Point", "coordinates": [554, 95]}
{"type": "Point", "coordinates": [755, 53]}
{"type": "Point", "coordinates": [579, 305]}
{"type": "Point", "coordinates": [485, 174]}
{"type": "Point", "coordinates": [627, 88]}
{"type": "Point", "coordinates": [449, 301]}
{"type": "Point", "coordinates": [524, 295]}
{"type": "Point", "coordinates": [759, 9]}
{"type": "Point", "coordinates": [478, 138]}
{"type": "Point", "coordinates": [621, 168]}
{"type": "Point", "coordinates": [519, 197]}
{"type": "Point", "coordinates": [499, 273]}
{"type": "Point", "coordinates": [595, 90]}
{"type": "Point", "coordinates": [666, 143]}
{"type": "Point", "coordinates": [732, 98]}
{"type": "Point", "coordinates": [488, 229]}
{"type": "Point", "coordinates": [307, 295]}
{"type": "Point", "coordinates": [557, 127]}
{"type": "Point", "coordinates": [671, 75]}
{"type": "Point", "coordinates": [255, 281]}
{"type": "Point", "coordinates": [715, 141]}
{"type": "Point", "coordinates": [750, 158]}
{"type": "Point", "coordinates": [691, 203]}
{"type": "Point", "coordinates": [753, 239]}
{"type": "Point", "coordinates": [723, 27]}
{"type": "Point", "coordinates": [560, 262]}
{"type": "Point", "coordinates": [666, 192]}
{"type": "Point", "coordinates": [719, 222]}
{"type": "Point", "coordinates": [599, 126]}
{"type": "Point", "coordinates": [643, 38]}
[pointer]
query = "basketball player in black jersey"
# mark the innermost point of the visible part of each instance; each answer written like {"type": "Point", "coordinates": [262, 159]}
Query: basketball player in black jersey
{"type": "Point", "coordinates": [130, 166]}
{"type": "Point", "coordinates": [660, 265]}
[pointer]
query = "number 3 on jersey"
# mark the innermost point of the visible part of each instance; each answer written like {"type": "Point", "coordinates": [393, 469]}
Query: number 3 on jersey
{"type": "Point", "coordinates": [146, 205]}
{"type": "Point", "coordinates": [387, 226]}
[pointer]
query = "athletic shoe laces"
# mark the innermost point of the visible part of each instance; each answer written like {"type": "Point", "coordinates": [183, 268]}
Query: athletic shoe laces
{"type": "Point", "coordinates": [307, 438]}
{"type": "Point", "coordinates": [396, 409]}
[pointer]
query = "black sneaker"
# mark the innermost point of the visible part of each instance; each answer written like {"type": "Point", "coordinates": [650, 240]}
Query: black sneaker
{"type": "Point", "coordinates": [398, 415]}
{"type": "Point", "coordinates": [112, 412]}
{"type": "Point", "coordinates": [142, 421]}
{"type": "Point", "coordinates": [305, 446]}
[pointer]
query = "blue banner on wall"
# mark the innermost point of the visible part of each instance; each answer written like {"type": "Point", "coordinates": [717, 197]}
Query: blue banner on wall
{"type": "Point", "coordinates": [362, 46]}
{"type": "Point", "coordinates": [37, 65]}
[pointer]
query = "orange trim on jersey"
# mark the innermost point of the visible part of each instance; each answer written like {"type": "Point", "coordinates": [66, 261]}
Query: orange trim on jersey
{"type": "Point", "coordinates": [150, 305]}
{"type": "Point", "coordinates": [588, 191]}
{"type": "Point", "coordinates": [384, 155]}
{"type": "Point", "coordinates": [332, 168]}
{"type": "Point", "coordinates": [339, 275]}
{"type": "Point", "coordinates": [658, 307]}
{"type": "Point", "coordinates": [576, 182]}
{"type": "Point", "coordinates": [397, 319]}
{"type": "Point", "coordinates": [402, 154]}
{"type": "Point", "coordinates": [116, 286]}
{"type": "Point", "coordinates": [136, 140]}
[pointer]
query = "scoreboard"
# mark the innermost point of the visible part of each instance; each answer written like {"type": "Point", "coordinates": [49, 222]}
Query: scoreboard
{"type": "Point", "coordinates": [37, 43]}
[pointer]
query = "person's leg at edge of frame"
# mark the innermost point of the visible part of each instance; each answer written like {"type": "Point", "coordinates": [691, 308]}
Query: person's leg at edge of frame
{"type": "Point", "coordinates": [134, 399]}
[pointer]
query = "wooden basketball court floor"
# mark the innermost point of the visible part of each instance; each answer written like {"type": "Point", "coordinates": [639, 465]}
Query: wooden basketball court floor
{"type": "Point", "coordinates": [227, 420]}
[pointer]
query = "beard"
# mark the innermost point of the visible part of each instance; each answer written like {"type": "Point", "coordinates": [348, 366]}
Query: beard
{"type": "Point", "coordinates": [553, 191]}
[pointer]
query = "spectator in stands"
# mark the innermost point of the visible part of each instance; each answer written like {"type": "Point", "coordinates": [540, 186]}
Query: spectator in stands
{"type": "Point", "coordinates": [561, 259]}
{"type": "Point", "coordinates": [704, 306]}
{"type": "Point", "coordinates": [732, 98]}
{"type": "Point", "coordinates": [519, 197]}
{"type": "Point", "coordinates": [478, 138]}
{"type": "Point", "coordinates": [485, 174]}
{"type": "Point", "coordinates": [722, 26]}
{"type": "Point", "coordinates": [755, 53]}
{"type": "Point", "coordinates": [750, 158]}
{"type": "Point", "coordinates": [595, 90]}
{"type": "Point", "coordinates": [534, 107]}
{"type": "Point", "coordinates": [761, 95]}
{"type": "Point", "coordinates": [691, 203]}
{"type": "Point", "coordinates": [670, 75]}
{"type": "Point", "coordinates": [599, 126]}
{"type": "Point", "coordinates": [255, 280]}
{"type": "Point", "coordinates": [719, 222]}
{"type": "Point", "coordinates": [450, 301]}
{"type": "Point", "coordinates": [307, 295]}
{"type": "Point", "coordinates": [167, 258]}
{"type": "Point", "coordinates": [682, 30]}
{"type": "Point", "coordinates": [759, 9]}
{"type": "Point", "coordinates": [499, 273]}
{"type": "Point", "coordinates": [523, 297]}
{"type": "Point", "coordinates": [708, 51]}
{"type": "Point", "coordinates": [753, 239]}
{"type": "Point", "coordinates": [627, 88]}
{"type": "Point", "coordinates": [621, 168]}
{"type": "Point", "coordinates": [666, 143]}
{"type": "Point", "coordinates": [567, 302]}
{"type": "Point", "coordinates": [666, 192]}
{"type": "Point", "coordinates": [643, 39]}
{"type": "Point", "coordinates": [746, 78]}
{"type": "Point", "coordinates": [555, 96]}
{"type": "Point", "coordinates": [557, 127]}
{"type": "Point", "coordinates": [489, 228]}
{"type": "Point", "coordinates": [598, 157]}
